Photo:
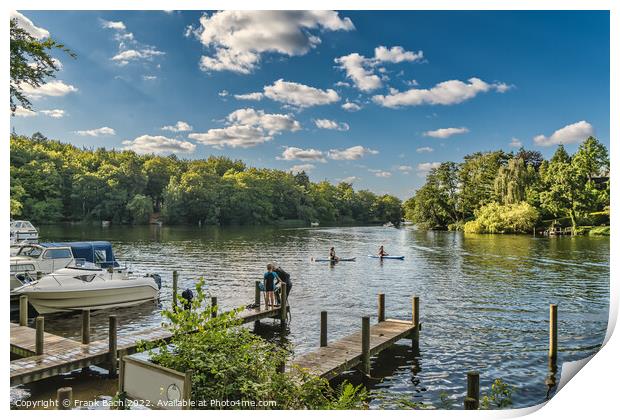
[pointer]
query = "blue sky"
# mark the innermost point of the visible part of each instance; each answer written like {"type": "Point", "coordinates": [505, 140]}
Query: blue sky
{"type": "Point", "coordinates": [419, 87]}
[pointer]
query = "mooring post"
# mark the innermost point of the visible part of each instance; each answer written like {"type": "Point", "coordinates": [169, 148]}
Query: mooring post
{"type": "Point", "coordinates": [553, 332]}
{"type": "Point", "coordinates": [366, 345]}
{"type": "Point", "coordinates": [213, 306]}
{"type": "Point", "coordinates": [23, 310]}
{"type": "Point", "coordinates": [381, 313]}
{"type": "Point", "coordinates": [112, 347]}
{"type": "Point", "coordinates": [85, 326]}
{"type": "Point", "coordinates": [283, 304]}
{"type": "Point", "coordinates": [472, 400]}
{"type": "Point", "coordinates": [323, 328]}
{"type": "Point", "coordinates": [64, 398]}
{"type": "Point", "coordinates": [39, 335]}
{"type": "Point", "coordinates": [415, 318]}
{"type": "Point", "coordinates": [257, 294]}
{"type": "Point", "coordinates": [175, 285]}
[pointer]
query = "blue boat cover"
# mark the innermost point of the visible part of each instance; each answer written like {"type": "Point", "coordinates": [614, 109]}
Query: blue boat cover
{"type": "Point", "coordinates": [98, 252]}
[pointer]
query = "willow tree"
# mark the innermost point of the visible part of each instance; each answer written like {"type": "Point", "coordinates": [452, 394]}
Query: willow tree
{"type": "Point", "coordinates": [513, 180]}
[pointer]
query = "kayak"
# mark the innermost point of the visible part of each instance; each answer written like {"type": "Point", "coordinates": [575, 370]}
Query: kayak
{"type": "Point", "coordinates": [389, 257]}
{"type": "Point", "coordinates": [338, 260]}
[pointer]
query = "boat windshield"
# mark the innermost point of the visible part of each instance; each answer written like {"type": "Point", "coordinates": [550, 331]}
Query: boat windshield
{"type": "Point", "coordinates": [30, 251]}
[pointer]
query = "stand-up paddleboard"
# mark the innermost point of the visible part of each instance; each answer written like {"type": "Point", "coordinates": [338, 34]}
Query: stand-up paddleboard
{"type": "Point", "coordinates": [338, 260]}
{"type": "Point", "coordinates": [389, 257]}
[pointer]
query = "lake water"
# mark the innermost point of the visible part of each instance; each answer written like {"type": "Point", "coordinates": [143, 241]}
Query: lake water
{"type": "Point", "coordinates": [484, 299]}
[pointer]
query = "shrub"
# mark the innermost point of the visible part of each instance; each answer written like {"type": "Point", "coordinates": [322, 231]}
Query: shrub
{"type": "Point", "coordinates": [510, 218]}
{"type": "Point", "coordinates": [600, 231]}
{"type": "Point", "coordinates": [228, 362]}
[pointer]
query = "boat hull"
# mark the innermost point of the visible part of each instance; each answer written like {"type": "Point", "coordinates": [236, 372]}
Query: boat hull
{"type": "Point", "coordinates": [338, 260]}
{"type": "Point", "coordinates": [46, 302]}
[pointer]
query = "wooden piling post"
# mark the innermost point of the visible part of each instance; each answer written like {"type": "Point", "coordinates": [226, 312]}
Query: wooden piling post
{"type": "Point", "coordinates": [283, 304]}
{"type": "Point", "coordinates": [85, 326]}
{"type": "Point", "coordinates": [64, 398]}
{"type": "Point", "coordinates": [257, 294]}
{"type": "Point", "coordinates": [23, 310]}
{"type": "Point", "coordinates": [472, 400]}
{"type": "Point", "coordinates": [213, 306]}
{"type": "Point", "coordinates": [112, 346]}
{"type": "Point", "coordinates": [415, 317]}
{"type": "Point", "coordinates": [366, 345]}
{"type": "Point", "coordinates": [39, 335]}
{"type": "Point", "coordinates": [553, 332]}
{"type": "Point", "coordinates": [381, 313]}
{"type": "Point", "coordinates": [323, 328]}
{"type": "Point", "coordinates": [175, 285]}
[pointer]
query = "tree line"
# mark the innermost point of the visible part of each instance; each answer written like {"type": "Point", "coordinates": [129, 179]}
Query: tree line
{"type": "Point", "coordinates": [53, 181]}
{"type": "Point", "coordinates": [499, 192]}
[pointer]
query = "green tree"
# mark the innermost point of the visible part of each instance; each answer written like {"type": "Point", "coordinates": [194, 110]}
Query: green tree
{"type": "Point", "coordinates": [565, 193]}
{"type": "Point", "coordinates": [30, 63]}
{"type": "Point", "coordinates": [477, 180]}
{"type": "Point", "coordinates": [140, 208]}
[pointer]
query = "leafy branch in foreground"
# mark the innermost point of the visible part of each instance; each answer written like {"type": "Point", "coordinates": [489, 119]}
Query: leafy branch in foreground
{"type": "Point", "coordinates": [31, 63]}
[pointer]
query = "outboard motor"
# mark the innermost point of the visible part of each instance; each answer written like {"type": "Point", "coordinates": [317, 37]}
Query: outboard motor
{"type": "Point", "coordinates": [157, 279]}
{"type": "Point", "coordinates": [188, 295]}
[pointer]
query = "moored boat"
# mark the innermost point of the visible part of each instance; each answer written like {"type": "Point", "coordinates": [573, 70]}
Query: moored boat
{"type": "Point", "coordinates": [78, 288]}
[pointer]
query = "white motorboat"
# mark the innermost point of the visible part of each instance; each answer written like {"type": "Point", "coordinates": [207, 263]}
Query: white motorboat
{"type": "Point", "coordinates": [23, 231]}
{"type": "Point", "coordinates": [89, 287]}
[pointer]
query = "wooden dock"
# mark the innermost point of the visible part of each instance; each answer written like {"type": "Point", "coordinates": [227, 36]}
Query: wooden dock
{"type": "Point", "coordinates": [62, 355]}
{"type": "Point", "coordinates": [346, 353]}
{"type": "Point", "coordinates": [332, 359]}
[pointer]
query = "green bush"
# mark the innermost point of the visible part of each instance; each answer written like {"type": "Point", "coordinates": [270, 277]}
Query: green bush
{"type": "Point", "coordinates": [510, 218]}
{"type": "Point", "coordinates": [228, 362]}
{"type": "Point", "coordinates": [600, 231]}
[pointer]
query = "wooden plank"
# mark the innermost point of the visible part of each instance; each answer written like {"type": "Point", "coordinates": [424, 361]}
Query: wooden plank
{"type": "Point", "coordinates": [346, 353]}
{"type": "Point", "coordinates": [63, 355]}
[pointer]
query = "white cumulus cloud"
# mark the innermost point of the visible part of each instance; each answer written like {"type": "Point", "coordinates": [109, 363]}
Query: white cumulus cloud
{"type": "Point", "coordinates": [449, 92]}
{"type": "Point", "coordinates": [425, 167]}
{"type": "Point", "coordinates": [424, 149]}
{"type": "Point", "coordinates": [27, 25]}
{"type": "Point", "coordinates": [22, 112]}
{"type": "Point", "coordinates": [299, 95]}
{"type": "Point", "coordinates": [381, 174]}
{"type": "Point", "coordinates": [96, 132]}
{"type": "Point", "coordinates": [515, 143]}
{"type": "Point", "coordinates": [295, 153]}
{"type": "Point", "coordinates": [117, 26]}
{"type": "Point", "coordinates": [147, 144]}
{"type": "Point", "coordinates": [247, 127]}
{"type": "Point", "coordinates": [306, 167]}
{"type": "Point", "coordinates": [352, 153]}
{"type": "Point", "coordinates": [351, 106]}
{"type": "Point", "coordinates": [53, 88]}
{"type": "Point", "coordinates": [238, 39]}
{"type": "Point", "coordinates": [53, 113]}
{"type": "Point", "coordinates": [572, 133]}
{"type": "Point", "coordinates": [129, 49]}
{"type": "Point", "coordinates": [444, 133]}
{"type": "Point", "coordinates": [254, 96]}
{"type": "Point", "coordinates": [179, 126]}
{"type": "Point", "coordinates": [331, 125]}
{"type": "Point", "coordinates": [361, 70]}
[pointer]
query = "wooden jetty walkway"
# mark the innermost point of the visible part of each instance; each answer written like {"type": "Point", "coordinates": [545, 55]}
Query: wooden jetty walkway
{"type": "Point", "coordinates": [45, 355]}
{"type": "Point", "coordinates": [331, 359]}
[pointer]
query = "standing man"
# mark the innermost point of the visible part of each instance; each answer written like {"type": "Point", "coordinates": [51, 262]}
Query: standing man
{"type": "Point", "coordinates": [284, 277]}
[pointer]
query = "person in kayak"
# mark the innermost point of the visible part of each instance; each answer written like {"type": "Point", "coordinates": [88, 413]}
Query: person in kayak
{"type": "Point", "coordinates": [270, 278]}
{"type": "Point", "coordinates": [382, 252]}
{"type": "Point", "coordinates": [332, 255]}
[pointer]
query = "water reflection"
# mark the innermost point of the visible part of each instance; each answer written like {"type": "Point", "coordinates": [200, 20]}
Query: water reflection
{"type": "Point", "coordinates": [484, 298]}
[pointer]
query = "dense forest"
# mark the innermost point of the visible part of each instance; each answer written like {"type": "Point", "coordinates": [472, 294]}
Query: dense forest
{"type": "Point", "coordinates": [498, 192]}
{"type": "Point", "coordinates": [53, 181]}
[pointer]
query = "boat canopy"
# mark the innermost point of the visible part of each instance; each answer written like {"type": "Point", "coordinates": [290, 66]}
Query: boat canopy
{"type": "Point", "coordinates": [97, 252]}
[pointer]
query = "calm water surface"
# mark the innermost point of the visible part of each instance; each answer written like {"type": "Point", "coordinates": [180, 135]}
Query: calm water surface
{"type": "Point", "coordinates": [484, 299]}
